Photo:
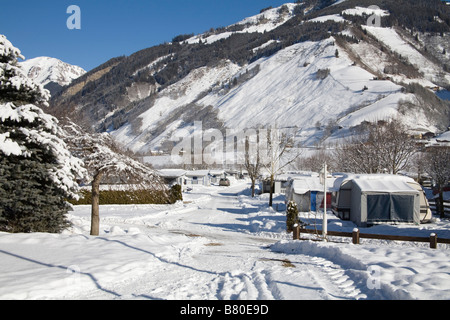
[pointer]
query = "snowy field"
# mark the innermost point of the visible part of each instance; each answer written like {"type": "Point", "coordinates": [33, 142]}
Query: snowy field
{"type": "Point", "coordinates": [219, 245]}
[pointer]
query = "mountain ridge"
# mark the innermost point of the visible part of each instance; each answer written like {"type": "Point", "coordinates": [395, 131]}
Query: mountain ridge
{"type": "Point", "coordinates": [51, 73]}
{"type": "Point", "coordinates": [337, 73]}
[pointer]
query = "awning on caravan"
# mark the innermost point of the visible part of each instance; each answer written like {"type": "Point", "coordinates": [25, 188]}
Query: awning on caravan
{"type": "Point", "coordinates": [384, 200]}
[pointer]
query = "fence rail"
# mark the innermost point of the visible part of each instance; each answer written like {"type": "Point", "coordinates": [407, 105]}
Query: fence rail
{"type": "Point", "coordinates": [356, 236]}
{"type": "Point", "coordinates": [433, 206]}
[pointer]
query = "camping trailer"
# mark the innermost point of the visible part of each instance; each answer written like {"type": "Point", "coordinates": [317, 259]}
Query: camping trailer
{"type": "Point", "coordinates": [307, 192]}
{"type": "Point", "coordinates": [279, 184]}
{"type": "Point", "coordinates": [373, 199]}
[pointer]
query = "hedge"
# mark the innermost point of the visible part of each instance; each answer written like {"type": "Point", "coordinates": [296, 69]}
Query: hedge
{"type": "Point", "coordinates": [136, 196]}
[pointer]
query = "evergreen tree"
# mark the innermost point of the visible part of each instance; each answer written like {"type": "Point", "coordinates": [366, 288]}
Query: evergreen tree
{"type": "Point", "coordinates": [291, 216]}
{"type": "Point", "coordinates": [37, 172]}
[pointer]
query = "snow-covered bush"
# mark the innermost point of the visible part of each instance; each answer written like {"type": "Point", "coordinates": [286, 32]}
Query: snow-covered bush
{"type": "Point", "coordinates": [37, 172]}
{"type": "Point", "coordinates": [291, 216]}
{"type": "Point", "coordinates": [176, 194]}
{"type": "Point", "coordinates": [321, 74]}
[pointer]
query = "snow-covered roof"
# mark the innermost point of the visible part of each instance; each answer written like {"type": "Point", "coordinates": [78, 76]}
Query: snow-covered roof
{"type": "Point", "coordinates": [197, 173]}
{"type": "Point", "coordinates": [384, 185]}
{"type": "Point", "coordinates": [306, 184]}
{"type": "Point", "coordinates": [216, 172]}
{"type": "Point", "coordinates": [377, 182]}
{"type": "Point", "coordinates": [171, 173]}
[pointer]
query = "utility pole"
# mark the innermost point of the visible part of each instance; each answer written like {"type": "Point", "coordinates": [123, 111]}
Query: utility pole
{"type": "Point", "coordinates": [323, 178]}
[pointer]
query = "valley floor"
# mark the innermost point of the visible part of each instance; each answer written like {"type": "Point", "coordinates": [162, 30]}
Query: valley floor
{"type": "Point", "coordinates": [219, 245]}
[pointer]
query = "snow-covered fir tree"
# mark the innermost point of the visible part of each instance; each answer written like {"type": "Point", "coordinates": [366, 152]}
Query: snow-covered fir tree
{"type": "Point", "coordinates": [37, 172]}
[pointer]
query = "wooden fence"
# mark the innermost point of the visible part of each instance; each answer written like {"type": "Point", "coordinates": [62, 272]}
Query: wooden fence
{"type": "Point", "coordinates": [434, 209]}
{"type": "Point", "coordinates": [356, 236]}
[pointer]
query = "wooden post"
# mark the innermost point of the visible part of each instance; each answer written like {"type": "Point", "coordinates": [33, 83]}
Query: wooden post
{"type": "Point", "coordinates": [355, 236]}
{"type": "Point", "coordinates": [95, 216]}
{"type": "Point", "coordinates": [433, 241]}
{"type": "Point", "coordinates": [296, 232]}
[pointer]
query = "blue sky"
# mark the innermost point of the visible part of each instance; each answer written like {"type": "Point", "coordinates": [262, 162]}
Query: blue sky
{"type": "Point", "coordinates": [111, 28]}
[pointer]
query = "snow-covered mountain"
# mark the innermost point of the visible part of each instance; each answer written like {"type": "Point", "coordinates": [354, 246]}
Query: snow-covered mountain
{"type": "Point", "coordinates": [314, 69]}
{"type": "Point", "coordinates": [47, 71]}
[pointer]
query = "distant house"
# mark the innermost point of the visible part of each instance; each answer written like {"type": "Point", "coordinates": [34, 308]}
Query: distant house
{"type": "Point", "coordinates": [172, 176]}
{"type": "Point", "coordinates": [280, 183]}
{"type": "Point", "coordinates": [216, 175]}
{"type": "Point", "coordinates": [232, 173]}
{"type": "Point", "coordinates": [308, 192]}
{"type": "Point", "coordinates": [198, 177]}
{"type": "Point", "coordinates": [380, 198]}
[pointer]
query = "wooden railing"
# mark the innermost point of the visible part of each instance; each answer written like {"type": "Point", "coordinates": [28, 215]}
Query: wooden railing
{"type": "Point", "coordinates": [434, 209]}
{"type": "Point", "coordinates": [356, 236]}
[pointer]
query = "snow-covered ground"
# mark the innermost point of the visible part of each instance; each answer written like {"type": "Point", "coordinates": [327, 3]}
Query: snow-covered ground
{"type": "Point", "coordinates": [262, 22]}
{"type": "Point", "coordinates": [294, 97]}
{"type": "Point", "coordinates": [306, 88]}
{"type": "Point", "coordinates": [391, 38]}
{"type": "Point", "coordinates": [219, 245]}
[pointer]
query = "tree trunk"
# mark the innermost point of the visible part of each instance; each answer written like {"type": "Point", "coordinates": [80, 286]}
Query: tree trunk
{"type": "Point", "coordinates": [95, 215]}
{"type": "Point", "coordinates": [271, 190]}
{"type": "Point", "coordinates": [253, 188]}
{"type": "Point", "coordinates": [441, 202]}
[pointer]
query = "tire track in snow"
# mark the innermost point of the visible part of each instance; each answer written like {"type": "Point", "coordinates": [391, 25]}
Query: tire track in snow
{"type": "Point", "coordinates": [333, 278]}
{"type": "Point", "coordinates": [243, 286]}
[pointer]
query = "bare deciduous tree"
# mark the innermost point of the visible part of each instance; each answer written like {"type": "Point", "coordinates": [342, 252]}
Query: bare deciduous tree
{"type": "Point", "coordinates": [280, 154]}
{"type": "Point", "coordinates": [381, 147]}
{"type": "Point", "coordinates": [252, 161]}
{"type": "Point", "coordinates": [437, 165]}
{"type": "Point", "coordinates": [314, 162]}
{"type": "Point", "coordinates": [103, 158]}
